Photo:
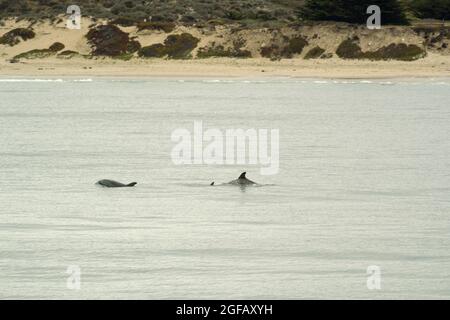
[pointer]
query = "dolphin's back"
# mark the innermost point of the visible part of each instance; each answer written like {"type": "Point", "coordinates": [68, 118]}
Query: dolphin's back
{"type": "Point", "coordinates": [242, 180]}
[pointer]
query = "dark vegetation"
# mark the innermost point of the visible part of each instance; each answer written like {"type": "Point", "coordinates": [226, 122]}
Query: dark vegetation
{"type": "Point", "coordinates": [435, 37]}
{"type": "Point", "coordinates": [68, 54]}
{"type": "Point", "coordinates": [188, 12]}
{"type": "Point", "coordinates": [234, 51]}
{"type": "Point", "coordinates": [431, 9]}
{"type": "Point", "coordinates": [109, 40]}
{"type": "Point", "coordinates": [161, 26]}
{"type": "Point", "coordinates": [314, 53]}
{"type": "Point", "coordinates": [153, 51]}
{"type": "Point", "coordinates": [180, 11]}
{"type": "Point", "coordinates": [350, 49]}
{"type": "Point", "coordinates": [176, 46]}
{"type": "Point", "coordinates": [39, 53]}
{"type": "Point", "coordinates": [14, 36]}
{"type": "Point", "coordinates": [353, 11]}
{"type": "Point", "coordinates": [57, 46]}
{"type": "Point", "coordinates": [287, 49]}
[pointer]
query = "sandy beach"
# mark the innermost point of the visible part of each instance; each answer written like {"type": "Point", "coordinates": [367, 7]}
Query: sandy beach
{"type": "Point", "coordinates": [432, 66]}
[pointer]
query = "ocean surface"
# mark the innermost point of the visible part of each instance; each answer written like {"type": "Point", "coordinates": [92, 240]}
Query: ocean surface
{"type": "Point", "coordinates": [363, 182]}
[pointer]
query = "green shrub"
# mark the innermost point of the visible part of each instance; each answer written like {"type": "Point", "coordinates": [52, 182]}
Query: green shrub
{"type": "Point", "coordinates": [167, 27]}
{"type": "Point", "coordinates": [219, 51]}
{"type": "Point", "coordinates": [153, 51]}
{"type": "Point", "coordinates": [398, 51]}
{"type": "Point", "coordinates": [235, 14]}
{"type": "Point", "coordinates": [57, 46]}
{"type": "Point", "coordinates": [314, 53]}
{"type": "Point", "coordinates": [295, 46]}
{"type": "Point", "coordinates": [434, 35]}
{"type": "Point", "coordinates": [34, 54]}
{"type": "Point", "coordinates": [109, 40]}
{"type": "Point", "coordinates": [133, 46]}
{"type": "Point", "coordinates": [180, 46]}
{"type": "Point", "coordinates": [13, 37]}
{"type": "Point", "coordinates": [327, 55]}
{"type": "Point", "coordinates": [272, 52]}
{"type": "Point", "coordinates": [177, 46]}
{"type": "Point", "coordinates": [287, 50]}
{"type": "Point", "coordinates": [350, 49]}
{"type": "Point", "coordinates": [124, 21]}
{"type": "Point", "coordinates": [68, 54]}
{"type": "Point", "coordinates": [264, 15]}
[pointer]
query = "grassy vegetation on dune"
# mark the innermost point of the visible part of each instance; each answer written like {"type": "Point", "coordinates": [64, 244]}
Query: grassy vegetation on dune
{"type": "Point", "coordinates": [177, 46]}
{"type": "Point", "coordinates": [14, 36]}
{"type": "Point", "coordinates": [248, 12]}
{"type": "Point", "coordinates": [350, 49]}
{"type": "Point", "coordinates": [181, 11]}
{"type": "Point", "coordinates": [215, 50]}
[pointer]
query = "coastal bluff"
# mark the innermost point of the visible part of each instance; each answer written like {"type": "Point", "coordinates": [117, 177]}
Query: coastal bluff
{"type": "Point", "coordinates": [21, 40]}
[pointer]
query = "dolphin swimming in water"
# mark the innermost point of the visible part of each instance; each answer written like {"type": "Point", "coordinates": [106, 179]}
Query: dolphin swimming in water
{"type": "Point", "coordinates": [241, 181]}
{"type": "Point", "coordinates": [115, 184]}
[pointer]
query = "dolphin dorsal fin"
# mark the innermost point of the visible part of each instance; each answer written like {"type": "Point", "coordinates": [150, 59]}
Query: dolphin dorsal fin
{"type": "Point", "coordinates": [242, 176]}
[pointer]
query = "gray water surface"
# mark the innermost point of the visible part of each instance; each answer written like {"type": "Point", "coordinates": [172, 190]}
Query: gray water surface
{"type": "Point", "coordinates": [364, 181]}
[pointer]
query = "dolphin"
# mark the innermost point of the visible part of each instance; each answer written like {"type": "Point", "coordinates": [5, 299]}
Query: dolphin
{"type": "Point", "coordinates": [241, 181]}
{"type": "Point", "coordinates": [115, 184]}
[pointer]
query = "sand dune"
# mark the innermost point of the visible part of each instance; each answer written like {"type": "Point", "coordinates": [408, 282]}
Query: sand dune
{"type": "Point", "coordinates": [433, 65]}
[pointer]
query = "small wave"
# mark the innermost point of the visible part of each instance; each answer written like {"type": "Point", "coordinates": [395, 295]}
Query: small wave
{"type": "Point", "coordinates": [46, 80]}
{"type": "Point", "coordinates": [344, 82]}
{"type": "Point", "coordinates": [212, 81]}
{"type": "Point", "coordinates": [83, 80]}
{"type": "Point", "coordinates": [31, 80]}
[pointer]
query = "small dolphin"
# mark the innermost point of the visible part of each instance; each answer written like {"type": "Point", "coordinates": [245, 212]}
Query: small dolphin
{"type": "Point", "coordinates": [115, 184]}
{"type": "Point", "coordinates": [241, 181]}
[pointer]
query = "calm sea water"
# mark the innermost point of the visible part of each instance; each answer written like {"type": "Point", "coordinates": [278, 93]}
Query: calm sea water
{"type": "Point", "coordinates": [364, 181]}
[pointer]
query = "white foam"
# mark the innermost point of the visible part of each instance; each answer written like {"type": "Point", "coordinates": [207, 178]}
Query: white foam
{"type": "Point", "coordinates": [46, 80]}
{"type": "Point", "coordinates": [83, 80]}
{"type": "Point", "coordinates": [31, 80]}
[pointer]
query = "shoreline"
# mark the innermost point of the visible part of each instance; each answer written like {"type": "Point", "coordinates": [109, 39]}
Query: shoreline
{"type": "Point", "coordinates": [433, 66]}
